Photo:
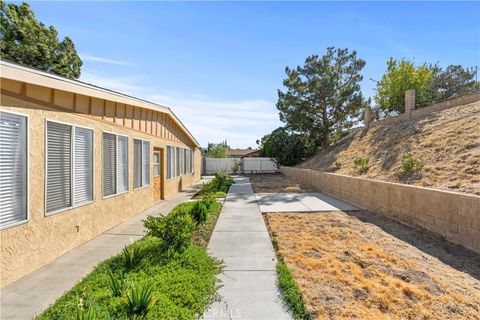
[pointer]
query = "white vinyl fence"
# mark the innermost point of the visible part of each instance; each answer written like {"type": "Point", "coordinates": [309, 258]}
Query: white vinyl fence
{"type": "Point", "coordinates": [246, 165]}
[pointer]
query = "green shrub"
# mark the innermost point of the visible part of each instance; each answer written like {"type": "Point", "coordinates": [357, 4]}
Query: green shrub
{"type": "Point", "coordinates": [199, 212]}
{"type": "Point", "coordinates": [338, 165]}
{"type": "Point", "coordinates": [175, 230]}
{"type": "Point", "coordinates": [410, 162]}
{"type": "Point", "coordinates": [220, 183]}
{"type": "Point", "coordinates": [140, 300]}
{"type": "Point", "coordinates": [290, 292]}
{"type": "Point", "coordinates": [361, 164]}
{"type": "Point", "coordinates": [208, 199]}
{"type": "Point", "coordinates": [235, 166]}
{"type": "Point", "coordinates": [130, 256]}
{"type": "Point", "coordinates": [117, 284]}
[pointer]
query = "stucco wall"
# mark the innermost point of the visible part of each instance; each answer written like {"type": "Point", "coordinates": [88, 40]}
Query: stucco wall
{"type": "Point", "coordinates": [31, 245]}
{"type": "Point", "coordinates": [451, 214]}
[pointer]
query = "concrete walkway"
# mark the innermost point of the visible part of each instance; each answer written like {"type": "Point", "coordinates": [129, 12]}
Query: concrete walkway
{"type": "Point", "coordinates": [33, 293]}
{"type": "Point", "coordinates": [300, 202]}
{"type": "Point", "coordinates": [241, 240]}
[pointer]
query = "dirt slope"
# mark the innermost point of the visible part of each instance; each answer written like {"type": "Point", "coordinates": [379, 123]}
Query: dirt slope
{"type": "Point", "coordinates": [447, 142]}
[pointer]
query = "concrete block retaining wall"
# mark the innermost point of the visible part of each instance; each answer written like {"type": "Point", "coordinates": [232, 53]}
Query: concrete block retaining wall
{"type": "Point", "coordinates": [422, 112]}
{"type": "Point", "coordinates": [456, 216]}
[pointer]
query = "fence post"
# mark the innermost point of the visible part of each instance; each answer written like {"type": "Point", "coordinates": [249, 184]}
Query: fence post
{"type": "Point", "coordinates": [409, 102]}
{"type": "Point", "coordinates": [367, 117]}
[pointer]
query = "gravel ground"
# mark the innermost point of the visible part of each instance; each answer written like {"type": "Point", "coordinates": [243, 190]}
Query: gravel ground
{"type": "Point", "coordinates": [276, 182]}
{"type": "Point", "coordinates": [358, 265]}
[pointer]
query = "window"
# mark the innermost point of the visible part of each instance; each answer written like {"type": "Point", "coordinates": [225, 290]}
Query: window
{"type": "Point", "coordinates": [69, 168]}
{"type": "Point", "coordinates": [83, 166]}
{"type": "Point", "coordinates": [187, 160]}
{"type": "Point", "coordinates": [156, 164]}
{"type": "Point", "coordinates": [179, 162]}
{"type": "Point", "coordinates": [109, 164]}
{"type": "Point", "coordinates": [141, 161]}
{"type": "Point", "coordinates": [192, 161]}
{"type": "Point", "coordinates": [122, 164]}
{"type": "Point", "coordinates": [170, 162]}
{"type": "Point", "coordinates": [115, 164]}
{"type": "Point", "coordinates": [13, 169]}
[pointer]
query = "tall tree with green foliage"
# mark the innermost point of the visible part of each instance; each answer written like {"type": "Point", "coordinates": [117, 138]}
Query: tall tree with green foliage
{"type": "Point", "coordinates": [431, 83]}
{"type": "Point", "coordinates": [217, 151]}
{"type": "Point", "coordinates": [402, 75]}
{"type": "Point", "coordinates": [323, 96]}
{"type": "Point", "coordinates": [285, 147]}
{"type": "Point", "coordinates": [27, 41]}
{"type": "Point", "coordinates": [454, 80]}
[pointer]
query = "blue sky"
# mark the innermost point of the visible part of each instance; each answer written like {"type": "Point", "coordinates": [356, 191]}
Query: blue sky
{"type": "Point", "coordinates": [219, 64]}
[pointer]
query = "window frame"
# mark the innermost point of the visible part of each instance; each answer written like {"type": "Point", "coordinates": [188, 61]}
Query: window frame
{"type": "Point", "coordinates": [27, 164]}
{"type": "Point", "coordinates": [141, 164]}
{"type": "Point", "coordinates": [116, 164]}
{"type": "Point", "coordinates": [72, 168]}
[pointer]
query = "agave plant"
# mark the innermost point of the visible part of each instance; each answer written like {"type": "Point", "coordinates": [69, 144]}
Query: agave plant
{"type": "Point", "coordinates": [117, 284]}
{"type": "Point", "coordinates": [140, 299]}
{"type": "Point", "coordinates": [130, 256]}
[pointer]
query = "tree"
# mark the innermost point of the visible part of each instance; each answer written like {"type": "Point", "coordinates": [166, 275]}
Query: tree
{"type": "Point", "coordinates": [217, 151]}
{"type": "Point", "coordinates": [400, 76]}
{"type": "Point", "coordinates": [27, 41]}
{"type": "Point", "coordinates": [454, 80]}
{"type": "Point", "coordinates": [285, 147]}
{"type": "Point", "coordinates": [323, 96]}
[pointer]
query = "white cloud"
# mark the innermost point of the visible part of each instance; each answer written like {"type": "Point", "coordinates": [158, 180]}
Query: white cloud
{"type": "Point", "coordinates": [87, 57]}
{"type": "Point", "coordinates": [240, 122]}
{"type": "Point", "coordinates": [209, 120]}
{"type": "Point", "coordinates": [126, 85]}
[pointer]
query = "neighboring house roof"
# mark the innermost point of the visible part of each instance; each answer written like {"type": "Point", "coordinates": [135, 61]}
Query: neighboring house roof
{"type": "Point", "coordinates": [21, 73]}
{"type": "Point", "coordinates": [240, 152]}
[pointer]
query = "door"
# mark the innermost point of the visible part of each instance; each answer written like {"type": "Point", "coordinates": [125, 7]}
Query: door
{"type": "Point", "coordinates": [157, 174]}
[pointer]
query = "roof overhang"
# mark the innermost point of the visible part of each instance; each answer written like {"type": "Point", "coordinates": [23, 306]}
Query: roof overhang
{"type": "Point", "coordinates": [13, 71]}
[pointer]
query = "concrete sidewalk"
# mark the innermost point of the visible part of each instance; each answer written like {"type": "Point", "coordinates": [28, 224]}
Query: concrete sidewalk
{"type": "Point", "coordinates": [301, 202]}
{"type": "Point", "coordinates": [33, 293]}
{"type": "Point", "coordinates": [241, 240]}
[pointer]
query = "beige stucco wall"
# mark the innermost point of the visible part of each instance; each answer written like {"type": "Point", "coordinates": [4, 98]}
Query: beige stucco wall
{"type": "Point", "coordinates": [452, 214]}
{"type": "Point", "coordinates": [30, 245]}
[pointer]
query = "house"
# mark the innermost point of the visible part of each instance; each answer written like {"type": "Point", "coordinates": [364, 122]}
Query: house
{"type": "Point", "coordinates": [76, 160]}
{"type": "Point", "coordinates": [243, 153]}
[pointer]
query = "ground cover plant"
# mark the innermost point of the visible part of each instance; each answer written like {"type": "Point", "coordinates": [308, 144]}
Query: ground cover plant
{"type": "Point", "coordinates": [165, 275]}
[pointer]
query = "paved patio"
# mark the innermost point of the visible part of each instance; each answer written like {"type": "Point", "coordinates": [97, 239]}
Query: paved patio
{"type": "Point", "coordinates": [241, 240]}
{"type": "Point", "coordinates": [33, 293]}
{"type": "Point", "coordinates": [300, 202]}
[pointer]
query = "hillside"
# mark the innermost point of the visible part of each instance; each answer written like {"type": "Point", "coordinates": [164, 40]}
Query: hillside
{"type": "Point", "coordinates": [447, 142]}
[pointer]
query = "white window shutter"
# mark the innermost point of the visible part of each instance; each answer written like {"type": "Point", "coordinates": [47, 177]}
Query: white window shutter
{"type": "Point", "coordinates": [109, 164]}
{"type": "Point", "coordinates": [146, 163]}
{"type": "Point", "coordinates": [83, 168]}
{"type": "Point", "coordinates": [137, 163]}
{"type": "Point", "coordinates": [122, 164]}
{"type": "Point", "coordinates": [13, 168]}
{"type": "Point", "coordinates": [59, 160]}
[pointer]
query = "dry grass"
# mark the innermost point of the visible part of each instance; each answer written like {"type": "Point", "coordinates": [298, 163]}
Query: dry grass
{"type": "Point", "coordinates": [448, 143]}
{"type": "Point", "coordinates": [349, 268]}
{"type": "Point", "coordinates": [276, 182]}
